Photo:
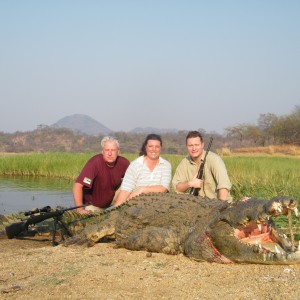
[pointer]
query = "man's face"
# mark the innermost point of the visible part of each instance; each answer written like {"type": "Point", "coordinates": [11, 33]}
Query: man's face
{"type": "Point", "coordinates": [110, 152]}
{"type": "Point", "coordinates": [153, 149]}
{"type": "Point", "coordinates": [194, 147]}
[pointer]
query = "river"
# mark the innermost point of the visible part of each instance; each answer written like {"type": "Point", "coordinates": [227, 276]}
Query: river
{"type": "Point", "coordinates": [25, 193]}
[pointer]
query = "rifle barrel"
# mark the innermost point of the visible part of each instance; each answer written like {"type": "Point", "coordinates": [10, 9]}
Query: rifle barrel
{"type": "Point", "coordinates": [195, 191]}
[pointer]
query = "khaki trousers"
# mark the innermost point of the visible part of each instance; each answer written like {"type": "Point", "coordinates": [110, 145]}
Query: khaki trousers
{"type": "Point", "coordinates": [95, 208]}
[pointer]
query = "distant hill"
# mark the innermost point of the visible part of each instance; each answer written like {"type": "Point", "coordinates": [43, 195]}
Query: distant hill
{"type": "Point", "coordinates": [83, 124]}
{"type": "Point", "coordinates": [148, 130]}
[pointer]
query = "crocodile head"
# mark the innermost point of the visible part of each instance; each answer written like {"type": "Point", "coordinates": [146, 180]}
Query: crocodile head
{"type": "Point", "coordinates": [246, 233]}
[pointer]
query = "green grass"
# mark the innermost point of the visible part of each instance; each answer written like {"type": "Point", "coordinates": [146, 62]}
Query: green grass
{"type": "Point", "coordinates": [62, 165]}
{"type": "Point", "coordinates": [261, 177]}
{"type": "Point", "coordinates": [264, 177]}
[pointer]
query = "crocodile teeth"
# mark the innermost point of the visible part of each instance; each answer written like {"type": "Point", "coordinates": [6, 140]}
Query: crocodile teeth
{"type": "Point", "coordinates": [276, 249]}
{"type": "Point", "coordinates": [259, 226]}
{"type": "Point", "coordinates": [278, 207]}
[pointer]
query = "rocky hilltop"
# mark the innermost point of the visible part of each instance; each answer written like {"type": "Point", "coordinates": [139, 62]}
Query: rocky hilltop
{"type": "Point", "coordinates": [82, 124]}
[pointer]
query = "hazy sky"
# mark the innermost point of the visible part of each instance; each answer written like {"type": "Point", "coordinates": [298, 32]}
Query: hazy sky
{"type": "Point", "coordinates": [131, 63]}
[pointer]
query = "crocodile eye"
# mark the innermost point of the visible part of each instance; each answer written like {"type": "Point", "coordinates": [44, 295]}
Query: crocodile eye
{"type": "Point", "coordinates": [292, 201]}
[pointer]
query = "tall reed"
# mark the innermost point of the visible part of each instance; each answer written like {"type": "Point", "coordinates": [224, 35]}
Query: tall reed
{"type": "Point", "coordinates": [264, 177]}
{"type": "Point", "coordinates": [261, 177]}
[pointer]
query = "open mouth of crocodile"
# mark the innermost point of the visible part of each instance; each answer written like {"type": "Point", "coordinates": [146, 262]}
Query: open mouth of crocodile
{"type": "Point", "coordinates": [258, 240]}
{"type": "Point", "coordinates": [262, 235]}
{"type": "Point", "coordinates": [265, 237]}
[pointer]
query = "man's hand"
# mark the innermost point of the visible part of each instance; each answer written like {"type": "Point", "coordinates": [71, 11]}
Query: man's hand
{"type": "Point", "coordinates": [136, 193]}
{"type": "Point", "coordinates": [83, 211]}
{"type": "Point", "coordinates": [195, 183]}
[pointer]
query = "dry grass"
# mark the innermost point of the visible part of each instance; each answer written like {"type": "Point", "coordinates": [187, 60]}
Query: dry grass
{"type": "Point", "coordinates": [276, 150]}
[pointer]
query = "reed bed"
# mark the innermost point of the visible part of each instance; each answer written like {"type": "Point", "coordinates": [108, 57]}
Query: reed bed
{"type": "Point", "coordinates": [261, 177]}
{"type": "Point", "coordinates": [64, 165]}
{"type": "Point", "coordinates": [264, 177]}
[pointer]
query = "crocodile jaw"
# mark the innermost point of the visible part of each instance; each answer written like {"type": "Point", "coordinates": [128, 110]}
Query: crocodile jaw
{"type": "Point", "coordinates": [252, 231]}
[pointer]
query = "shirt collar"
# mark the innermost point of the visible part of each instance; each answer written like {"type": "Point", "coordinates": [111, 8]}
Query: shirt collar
{"type": "Point", "coordinates": [189, 158]}
{"type": "Point", "coordinates": [140, 159]}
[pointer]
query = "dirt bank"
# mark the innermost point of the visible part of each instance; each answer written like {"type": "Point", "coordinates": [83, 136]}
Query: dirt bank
{"type": "Point", "coordinates": [36, 270]}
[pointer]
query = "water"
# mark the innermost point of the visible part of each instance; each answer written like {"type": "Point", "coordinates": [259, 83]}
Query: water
{"type": "Point", "coordinates": [25, 193]}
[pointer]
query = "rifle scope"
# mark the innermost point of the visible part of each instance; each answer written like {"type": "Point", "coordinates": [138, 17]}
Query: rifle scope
{"type": "Point", "coordinates": [37, 210]}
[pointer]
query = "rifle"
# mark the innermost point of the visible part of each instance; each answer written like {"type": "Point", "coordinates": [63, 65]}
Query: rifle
{"type": "Point", "coordinates": [195, 191]}
{"type": "Point", "coordinates": [15, 229]}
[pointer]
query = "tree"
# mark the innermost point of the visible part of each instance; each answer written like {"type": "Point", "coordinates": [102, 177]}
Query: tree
{"type": "Point", "coordinates": [268, 124]}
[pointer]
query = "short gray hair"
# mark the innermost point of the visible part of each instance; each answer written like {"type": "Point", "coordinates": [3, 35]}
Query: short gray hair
{"type": "Point", "coordinates": [109, 139]}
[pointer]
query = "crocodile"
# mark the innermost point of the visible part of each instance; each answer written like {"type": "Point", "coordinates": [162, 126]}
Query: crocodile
{"type": "Point", "coordinates": [199, 228]}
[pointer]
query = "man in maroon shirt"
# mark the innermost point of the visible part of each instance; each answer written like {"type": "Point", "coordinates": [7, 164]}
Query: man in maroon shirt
{"type": "Point", "coordinates": [100, 177]}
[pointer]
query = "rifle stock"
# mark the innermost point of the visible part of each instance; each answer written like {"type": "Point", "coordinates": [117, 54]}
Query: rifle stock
{"type": "Point", "coordinates": [195, 191]}
{"type": "Point", "coordinates": [15, 229]}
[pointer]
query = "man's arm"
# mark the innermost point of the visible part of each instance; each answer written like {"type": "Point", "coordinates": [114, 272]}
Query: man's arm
{"type": "Point", "coordinates": [147, 190]}
{"type": "Point", "coordinates": [122, 197]}
{"type": "Point", "coordinates": [222, 178]}
{"type": "Point", "coordinates": [125, 196]}
{"type": "Point", "coordinates": [78, 197]}
{"type": "Point", "coordinates": [184, 177]}
{"type": "Point", "coordinates": [222, 194]}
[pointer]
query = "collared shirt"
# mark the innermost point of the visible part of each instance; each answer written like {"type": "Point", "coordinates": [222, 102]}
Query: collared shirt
{"type": "Point", "coordinates": [215, 175]}
{"type": "Point", "coordinates": [101, 181]}
{"type": "Point", "coordinates": [139, 175]}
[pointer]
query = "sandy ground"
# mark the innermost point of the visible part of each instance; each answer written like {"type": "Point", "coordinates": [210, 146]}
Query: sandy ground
{"type": "Point", "coordinates": [36, 270]}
